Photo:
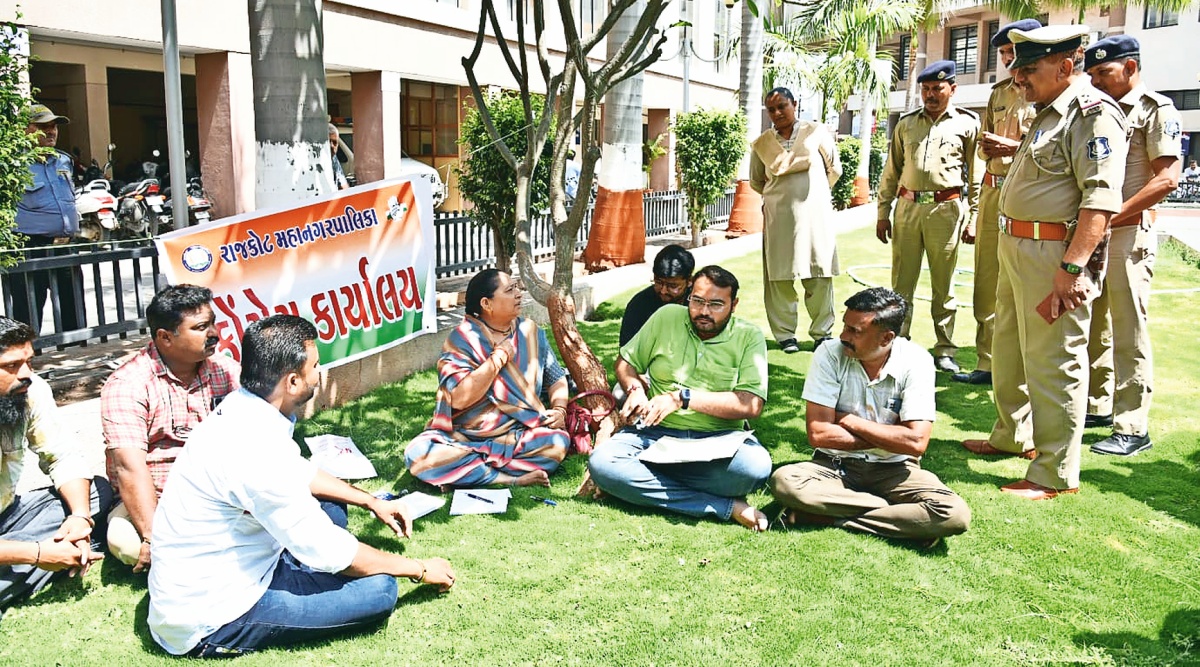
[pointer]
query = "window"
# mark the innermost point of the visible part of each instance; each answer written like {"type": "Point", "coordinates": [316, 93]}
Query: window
{"type": "Point", "coordinates": [589, 14]}
{"type": "Point", "coordinates": [903, 56]}
{"type": "Point", "coordinates": [430, 119]}
{"type": "Point", "coordinates": [993, 57]}
{"type": "Point", "coordinates": [512, 10]}
{"type": "Point", "coordinates": [722, 36]}
{"type": "Point", "coordinates": [1159, 18]}
{"type": "Point", "coordinates": [964, 48]}
{"type": "Point", "coordinates": [1185, 100]}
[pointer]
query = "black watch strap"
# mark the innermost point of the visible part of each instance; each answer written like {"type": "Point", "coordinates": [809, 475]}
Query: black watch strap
{"type": "Point", "coordinates": [1073, 269]}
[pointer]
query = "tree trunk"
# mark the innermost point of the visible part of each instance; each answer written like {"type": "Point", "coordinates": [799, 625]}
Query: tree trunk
{"type": "Point", "coordinates": [917, 62]}
{"type": "Point", "coordinates": [503, 256]}
{"type": "Point", "coordinates": [747, 216]}
{"type": "Point", "coordinates": [290, 108]}
{"type": "Point", "coordinates": [618, 235]}
{"type": "Point", "coordinates": [866, 110]}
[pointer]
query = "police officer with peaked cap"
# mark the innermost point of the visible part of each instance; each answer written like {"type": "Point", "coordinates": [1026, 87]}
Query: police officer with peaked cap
{"type": "Point", "coordinates": [931, 158]}
{"type": "Point", "coordinates": [1063, 187]}
{"type": "Point", "coordinates": [1002, 126]}
{"type": "Point", "coordinates": [1122, 364]}
{"type": "Point", "coordinates": [47, 216]}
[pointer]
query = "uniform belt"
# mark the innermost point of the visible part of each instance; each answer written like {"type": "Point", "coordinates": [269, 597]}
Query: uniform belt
{"type": "Point", "coordinates": [1038, 231]}
{"type": "Point", "coordinates": [992, 180]}
{"type": "Point", "coordinates": [1148, 217]}
{"type": "Point", "coordinates": [929, 196]}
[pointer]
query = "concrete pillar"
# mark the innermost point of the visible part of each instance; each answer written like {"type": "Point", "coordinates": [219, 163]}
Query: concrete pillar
{"type": "Point", "coordinates": [662, 170]}
{"type": "Point", "coordinates": [375, 106]}
{"type": "Point", "coordinates": [225, 110]}
{"type": "Point", "coordinates": [87, 106]}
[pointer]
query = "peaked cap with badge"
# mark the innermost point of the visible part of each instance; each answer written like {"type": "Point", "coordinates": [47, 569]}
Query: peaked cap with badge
{"type": "Point", "coordinates": [1031, 45]}
{"type": "Point", "coordinates": [1110, 49]}
{"type": "Point", "coordinates": [942, 70]}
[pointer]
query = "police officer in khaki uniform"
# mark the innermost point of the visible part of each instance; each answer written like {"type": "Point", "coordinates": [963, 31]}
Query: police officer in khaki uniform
{"type": "Point", "coordinates": [1004, 123]}
{"type": "Point", "coordinates": [932, 157]}
{"type": "Point", "coordinates": [1119, 346]}
{"type": "Point", "coordinates": [1063, 187]}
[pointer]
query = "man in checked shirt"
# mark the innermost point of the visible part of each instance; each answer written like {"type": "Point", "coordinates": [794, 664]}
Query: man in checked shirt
{"type": "Point", "coordinates": [150, 405]}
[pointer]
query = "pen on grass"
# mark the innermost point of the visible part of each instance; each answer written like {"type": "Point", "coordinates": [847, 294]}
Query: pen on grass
{"type": "Point", "coordinates": [545, 501]}
{"type": "Point", "coordinates": [480, 498]}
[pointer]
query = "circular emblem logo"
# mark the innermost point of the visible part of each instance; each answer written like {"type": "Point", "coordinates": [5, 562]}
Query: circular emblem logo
{"type": "Point", "coordinates": [941, 75]}
{"type": "Point", "coordinates": [196, 258]}
{"type": "Point", "coordinates": [1100, 53]}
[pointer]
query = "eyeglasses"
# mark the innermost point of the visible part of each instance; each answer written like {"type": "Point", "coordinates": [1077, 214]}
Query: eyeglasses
{"type": "Point", "coordinates": [665, 284]}
{"type": "Point", "coordinates": [701, 304]}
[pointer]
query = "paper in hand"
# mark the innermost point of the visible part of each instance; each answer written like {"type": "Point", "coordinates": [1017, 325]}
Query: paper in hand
{"type": "Point", "coordinates": [422, 504]}
{"type": "Point", "coordinates": [338, 456]}
{"type": "Point", "coordinates": [669, 449]}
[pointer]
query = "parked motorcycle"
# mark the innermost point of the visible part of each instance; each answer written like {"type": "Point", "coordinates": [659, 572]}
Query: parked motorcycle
{"type": "Point", "coordinates": [199, 207]}
{"type": "Point", "coordinates": [141, 209]}
{"type": "Point", "coordinates": [97, 211]}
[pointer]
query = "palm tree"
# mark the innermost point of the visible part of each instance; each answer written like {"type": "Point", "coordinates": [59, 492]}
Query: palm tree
{"type": "Point", "coordinates": [850, 31]}
{"type": "Point", "coordinates": [618, 234]}
{"type": "Point", "coordinates": [933, 17]}
{"type": "Point", "coordinates": [1019, 9]}
{"type": "Point", "coordinates": [746, 216]}
{"type": "Point", "coordinates": [290, 108]}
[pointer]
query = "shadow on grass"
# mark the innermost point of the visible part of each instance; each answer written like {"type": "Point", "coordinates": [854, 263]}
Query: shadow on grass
{"type": "Point", "coordinates": [1168, 486]}
{"type": "Point", "coordinates": [1178, 642]}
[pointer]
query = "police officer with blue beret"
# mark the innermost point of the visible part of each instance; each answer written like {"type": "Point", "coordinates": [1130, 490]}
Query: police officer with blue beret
{"type": "Point", "coordinates": [1119, 345]}
{"type": "Point", "coordinates": [931, 160]}
{"type": "Point", "coordinates": [47, 216]}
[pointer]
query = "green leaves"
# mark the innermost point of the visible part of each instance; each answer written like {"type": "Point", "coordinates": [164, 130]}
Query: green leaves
{"type": "Point", "coordinates": [17, 149]}
{"type": "Point", "coordinates": [709, 145]}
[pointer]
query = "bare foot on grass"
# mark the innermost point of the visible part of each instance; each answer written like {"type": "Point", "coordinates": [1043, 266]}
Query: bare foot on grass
{"type": "Point", "coordinates": [588, 488]}
{"type": "Point", "coordinates": [749, 517]}
{"type": "Point", "coordinates": [535, 478]}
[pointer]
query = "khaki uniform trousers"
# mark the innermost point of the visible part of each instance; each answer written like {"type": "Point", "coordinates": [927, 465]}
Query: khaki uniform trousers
{"type": "Point", "coordinates": [1122, 361]}
{"type": "Point", "coordinates": [886, 499]}
{"type": "Point", "coordinates": [123, 540]}
{"type": "Point", "coordinates": [1041, 371]}
{"type": "Point", "coordinates": [780, 299]}
{"type": "Point", "coordinates": [931, 231]}
{"type": "Point", "coordinates": [987, 271]}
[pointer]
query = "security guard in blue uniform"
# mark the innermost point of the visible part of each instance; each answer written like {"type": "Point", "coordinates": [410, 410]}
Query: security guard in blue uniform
{"type": "Point", "coordinates": [47, 216]}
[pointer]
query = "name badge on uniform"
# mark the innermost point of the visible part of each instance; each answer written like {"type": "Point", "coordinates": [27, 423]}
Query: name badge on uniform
{"type": "Point", "coordinates": [1098, 148]}
{"type": "Point", "coordinates": [1037, 135]}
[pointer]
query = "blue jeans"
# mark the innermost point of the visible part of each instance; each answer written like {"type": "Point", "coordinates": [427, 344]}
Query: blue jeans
{"type": "Point", "coordinates": [694, 489]}
{"type": "Point", "coordinates": [302, 605]}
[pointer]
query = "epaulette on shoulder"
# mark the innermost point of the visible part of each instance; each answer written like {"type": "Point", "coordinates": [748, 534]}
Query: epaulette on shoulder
{"type": "Point", "coordinates": [969, 112]}
{"type": "Point", "coordinates": [1090, 103]}
{"type": "Point", "coordinates": [1001, 83]}
{"type": "Point", "coordinates": [1159, 99]}
{"type": "Point", "coordinates": [913, 112]}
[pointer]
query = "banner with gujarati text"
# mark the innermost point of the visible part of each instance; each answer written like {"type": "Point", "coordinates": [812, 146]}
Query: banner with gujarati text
{"type": "Point", "coordinates": [359, 265]}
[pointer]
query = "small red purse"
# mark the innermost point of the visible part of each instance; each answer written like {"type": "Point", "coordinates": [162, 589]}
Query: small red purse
{"type": "Point", "coordinates": [581, 423]}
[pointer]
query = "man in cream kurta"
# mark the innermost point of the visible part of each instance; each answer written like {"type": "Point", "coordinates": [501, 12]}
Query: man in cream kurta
{"type": "Point", "coordinates": [1004, 123]}
{"type": "Point", "coordinates": [793, 165]}
{"type": "Point", "coordinates": [931, 159]}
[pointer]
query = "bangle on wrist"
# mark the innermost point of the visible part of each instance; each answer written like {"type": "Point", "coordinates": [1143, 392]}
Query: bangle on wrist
{"type": "Point", "coordinates": [38, 558]}
{"type": "Point", "coordinates": [636, 386]}
{"type": "Point", "coordinates": [146, 540]}
{"type": "Point", "coordinates": [417, 580]}
{"type": "Point", "coordinates": [90, 520]}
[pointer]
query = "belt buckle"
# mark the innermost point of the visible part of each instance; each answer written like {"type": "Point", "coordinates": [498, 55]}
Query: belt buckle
{"type": "Point", "coordinates": [997, 180]}
{"type": "Point", "coordinates": [60, 240]}
{"type": "Point", "coordinates": [1004, 224]}
{"type": "Point", "coordinates": [926, 197]}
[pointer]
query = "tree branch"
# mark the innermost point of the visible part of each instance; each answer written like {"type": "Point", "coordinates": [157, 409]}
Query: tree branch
{"type": "Point", "coordinates": [469, 67]}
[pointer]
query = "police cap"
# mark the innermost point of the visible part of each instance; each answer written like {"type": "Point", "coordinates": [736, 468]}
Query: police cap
{"type": "Point", "coordinates": [1040, 42]}
{"type": "Point", "coordinates": [1001, 38]}
{"type": "Point", "coordinates": [942, 70]}
{"type": "Point", "coordinates": [1109, 49]}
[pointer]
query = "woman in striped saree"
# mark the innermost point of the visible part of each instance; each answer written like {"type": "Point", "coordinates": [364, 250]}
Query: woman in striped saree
{"type": "Point", "coordinates": [490, 425]}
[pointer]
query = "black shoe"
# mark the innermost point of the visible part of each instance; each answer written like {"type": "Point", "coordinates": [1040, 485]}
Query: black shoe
{"type": "Point", "coordinates": [1119, 444]}
{"type": "Point", "coordinates": [946, 364]}
{"type": "Point", "coordinates": [974, 377]}
{"type": "Point", "coordinates": [1092, 421]}
{"type": "Point", "coordinates": [789, 346]}
{"type": "Point", "coordinates": [821, 341]}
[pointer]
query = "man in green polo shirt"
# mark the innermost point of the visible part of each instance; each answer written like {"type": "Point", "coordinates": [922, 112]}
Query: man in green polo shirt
{"type": "Point", "coordinates": [705, 374]}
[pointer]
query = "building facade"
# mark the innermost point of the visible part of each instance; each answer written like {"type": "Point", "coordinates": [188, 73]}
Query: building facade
{"type": "Point", "coordinates": [394, 77]}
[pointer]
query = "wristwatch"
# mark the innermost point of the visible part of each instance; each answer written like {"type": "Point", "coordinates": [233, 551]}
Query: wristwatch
{"type": "Point", "coordinates": [685, 397]}
{"type": "Point", "coordinates": [1073, 269]}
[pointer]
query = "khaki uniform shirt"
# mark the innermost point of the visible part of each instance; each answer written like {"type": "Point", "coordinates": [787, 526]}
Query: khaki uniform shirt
{"type": "Point", "coordinates": [1008, 115]}
{"type": "Point", "coordinates": [1073, 157]}
{"type": "Point", "coordinates": [1154, 132]}
{"type": "Point", "coordinates": [932, 154]}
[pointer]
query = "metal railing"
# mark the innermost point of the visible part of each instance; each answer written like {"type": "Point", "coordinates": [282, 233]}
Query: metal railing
{"type": "Point", "coordinates": [1186, 192]}
{"type": "Point", "coordinates": [115, 282]}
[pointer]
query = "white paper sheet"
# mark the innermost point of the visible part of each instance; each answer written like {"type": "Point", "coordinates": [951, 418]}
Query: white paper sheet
{"type": "Point", "coordinates": [422, 504]}
{"type": "Point", "coordinates": [669, 449]}
{"type": "Point", "coordinates": [340, 457]}
{"type": "Point", "coordinates": [480, 501]}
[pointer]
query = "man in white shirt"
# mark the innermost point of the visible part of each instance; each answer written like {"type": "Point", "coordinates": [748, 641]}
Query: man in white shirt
{"type": "Point", "coordinates": [249, 547]}
{"type": "Point", "coordinates": [870, 412]}
{"type": "Point", "coordinates": [49, 500]}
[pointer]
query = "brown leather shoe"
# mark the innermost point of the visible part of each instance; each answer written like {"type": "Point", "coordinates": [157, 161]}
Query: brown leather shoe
{"type": "Point", "coordinates": [1029, 490]}
{"type": "Point", "coordinates": [985, 448]}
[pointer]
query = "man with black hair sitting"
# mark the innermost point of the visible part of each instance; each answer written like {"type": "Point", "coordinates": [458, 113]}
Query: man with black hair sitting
{"type": "Point", "coordinates": [250, 544]}
{"type": "Point", "coordinates": [673, 266]}
{"type": "Point", "coordinates": [49, 501]}
{"type": "Point", "coordinates": [870, 412]}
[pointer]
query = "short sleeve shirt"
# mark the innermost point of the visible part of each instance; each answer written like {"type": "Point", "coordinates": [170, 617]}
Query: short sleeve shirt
{"type": "Point", "coordinates": [1008, 115]}
{"type": "Point", "coordinates": [903, 392]}
{"type": "Point", "coordinates": [931, 154]}
{"type": "Point", "coordinates": [1155, 131]}
{"type": "Point", "coordinates": [669, 351]}
{"type": "Point", "coordinates": [1073, 157]}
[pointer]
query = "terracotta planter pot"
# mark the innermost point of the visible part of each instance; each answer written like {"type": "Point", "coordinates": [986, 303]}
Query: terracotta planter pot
{"type": "Point", "coordinates": [618, 235]}
{"type": "Point", "coordinates": [746, 216]}
{"type": "Point", "coordinates": [862, 192]}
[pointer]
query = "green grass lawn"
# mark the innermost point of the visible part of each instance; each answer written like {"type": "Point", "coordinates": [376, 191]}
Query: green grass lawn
{"type": "Point", "coordinates": [1108, 577]}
